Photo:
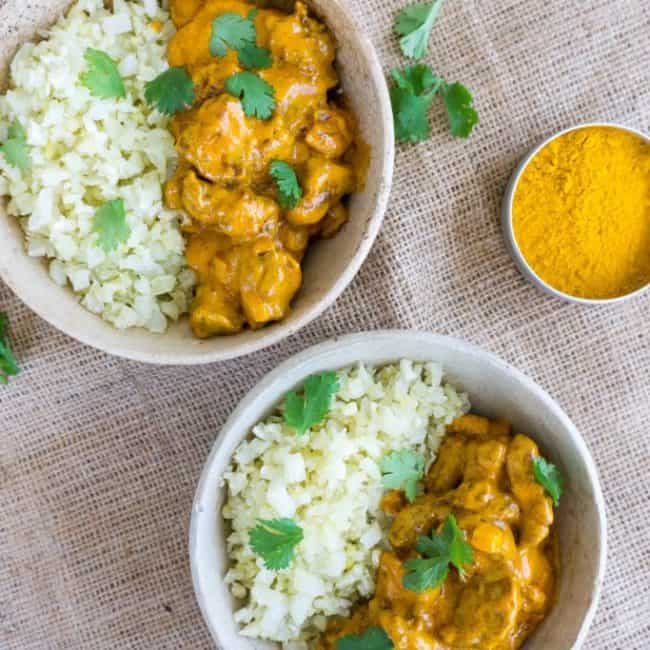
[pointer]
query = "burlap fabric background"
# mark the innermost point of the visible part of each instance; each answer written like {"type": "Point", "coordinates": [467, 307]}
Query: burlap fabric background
{"type": "Point", "coordinates": [99, 457]}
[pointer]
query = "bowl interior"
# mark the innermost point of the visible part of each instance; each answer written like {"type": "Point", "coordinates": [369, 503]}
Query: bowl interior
{"type": "Point", "coordinates": [495, 389]}
{"type": "Point", "coordinates": [328, 268]}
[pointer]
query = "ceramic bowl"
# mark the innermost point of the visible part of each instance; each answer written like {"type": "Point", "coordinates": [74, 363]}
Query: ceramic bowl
{"type": "Point", "coordinates": [495, 389]}
{"type": "Point", "coordinates": [508, 230]}
{"type": "Point", "coordinates": [329, 266]}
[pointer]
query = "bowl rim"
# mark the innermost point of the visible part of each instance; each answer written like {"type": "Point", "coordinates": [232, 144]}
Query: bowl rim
{"type": "Point", "coordinates": [508, 230]}
{"type": "Point", "coordinates": [115, 342]}
{"type": "Point", "coordinates": [320, 354]}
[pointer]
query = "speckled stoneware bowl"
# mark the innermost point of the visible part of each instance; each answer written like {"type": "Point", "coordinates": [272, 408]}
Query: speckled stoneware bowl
{"type": "Point", "coordinates": [329, 267]}
{"type": "Point", "coordinates": [495, 389]}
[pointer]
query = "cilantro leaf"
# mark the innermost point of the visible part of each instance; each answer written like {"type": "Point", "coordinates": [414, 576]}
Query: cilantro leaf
{"type": "Point", "coordinates": [462, 115]}
{"type": "Point", "coordinates": [274, 540]}
{"type": "Point", "coordinates": [549, 477]}
{"type": "Point", "coordinates": [257, 96]}
{"type": "Point", "coordinates": [402, 470]}
{"type": "Point", "coordinates": [441, 550]}
{"type": "Point", "coordinates": [414, 25]}
{"type": "Point", "coordinates": [414, 89]}
{"type": "Point", "coordinates": [252, 56]}
{"type": "Point", "coordinates": [110, 225]}
{"type": "Point", "coordinates": [171, 91]}
{"type": "Point", "coordinates": [289, 190]}
{"type": "Point", "coordinates": [15, 147]}
{"type": "Point", "coordinates": [102, 77]}
{"type": "Point", "coordinates": [374, 638]}
{"type": "Point", "coordinates": [8, 363]}
{"type": "Point", "coordinates": [303, 412]}
{"type": "Point", "coordinates": [231, 30]}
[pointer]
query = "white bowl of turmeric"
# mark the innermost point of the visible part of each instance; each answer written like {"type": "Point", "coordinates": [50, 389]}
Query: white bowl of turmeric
{"type": "Point", "coordinates": [576, 214]}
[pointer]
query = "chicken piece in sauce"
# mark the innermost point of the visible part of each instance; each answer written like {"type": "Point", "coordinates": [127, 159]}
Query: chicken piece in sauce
{"type": "Point", "coordinates": [244, 248]}
{"type": "Point", "coordinates": [482, 475]}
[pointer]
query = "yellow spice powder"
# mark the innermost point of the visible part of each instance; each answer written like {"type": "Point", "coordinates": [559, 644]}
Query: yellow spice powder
{"type": "Point", "coordinates": [581, 213]}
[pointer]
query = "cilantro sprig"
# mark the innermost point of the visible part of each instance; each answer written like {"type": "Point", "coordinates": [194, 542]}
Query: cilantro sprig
{"type": "Point", "coordinates": [411, 96]}
{"type": "Point", "coordinates": [374, 638]}
{"type": "Point", "coordinates": [286, 181]}
{"type": "Point", "coordinates": [230, 30]}
{"type": "Point", "coordinates": [440, 551]}
{"type": "Point", "coordinates": [302, 412]}
{"type": "Point", "coordinates": [8, 364]}
{"type": "Point", "coordinates": [274, 541]}
{"type": "Point", "coordinates": [15, 147]}
{"type": "Point", "coordinates": [102, 76]}
{"type": "Point", "coordinates": [402, 470]}
{"type": "Point", "coordinates": [414, 24]}
{"type": "Point", "coordinates": [171, 91]}
{"type": "Point", "coordinates": [549, 477]}
{"type": "Point", "coordinates": [110, 225]}
{"type": "Point", "coordinates": [257, 96]}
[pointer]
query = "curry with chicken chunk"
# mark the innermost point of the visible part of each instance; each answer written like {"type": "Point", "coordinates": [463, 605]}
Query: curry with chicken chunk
{"type": "Point", "coordinates": [483, 476]}
{"type": "Point", "coordinates": [244, 244]}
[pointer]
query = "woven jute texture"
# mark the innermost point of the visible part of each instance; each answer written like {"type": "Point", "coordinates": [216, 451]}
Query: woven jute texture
{"type": "Point", "coordinates": [99, 457]}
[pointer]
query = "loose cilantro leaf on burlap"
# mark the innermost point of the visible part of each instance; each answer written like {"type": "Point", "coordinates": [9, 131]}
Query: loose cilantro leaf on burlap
{"type": "Point", "coordinates": [414, 25]}
{"type": "Point", "coordinates": [8, 363]}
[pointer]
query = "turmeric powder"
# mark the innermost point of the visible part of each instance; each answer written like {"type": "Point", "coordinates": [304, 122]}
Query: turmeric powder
{"type": "Point", "coordinates": [581, 213]}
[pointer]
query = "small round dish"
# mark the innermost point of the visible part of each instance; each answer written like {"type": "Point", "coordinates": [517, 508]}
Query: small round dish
{"type": "Point", "coordinates": [328, 268]}
{"type": "Point", "coordinates": [508, 231]}
{"type": "Point", "coordinates": [495, 389]}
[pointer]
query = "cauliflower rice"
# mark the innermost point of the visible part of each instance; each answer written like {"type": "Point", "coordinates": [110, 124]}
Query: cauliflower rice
{"type": "Point", "coordinates": [329, 482]}
{"type": "Point", "coordinates": [86, 151]}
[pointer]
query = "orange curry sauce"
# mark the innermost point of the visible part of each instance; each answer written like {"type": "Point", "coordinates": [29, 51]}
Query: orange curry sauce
{"type": "Point", "coordinates": [244, 248]}
{"type": "Point", "coordinates": [483, 475]}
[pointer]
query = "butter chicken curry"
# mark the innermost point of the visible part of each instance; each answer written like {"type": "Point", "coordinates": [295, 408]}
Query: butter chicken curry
{"type": "Point", "coordinates": [483, 476]}
{"type": "Point", "coordinates": [243, 245]}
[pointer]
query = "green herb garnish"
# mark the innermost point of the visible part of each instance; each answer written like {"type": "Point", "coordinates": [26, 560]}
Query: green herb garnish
{"type": "Point", "coordinates": [289, 190]}
{"type": "Point", "coordinates": [440, 551]}
{"type": "Point", "coordinates": [274, 540]}
{"type": "Point", "coordinates": [414, 89]}
{"type": "Point", "coordinates": [230, 30]}
{"type": "Point", "coordinates": [102, 77]}
{"type": "Point", "coordinates": [374, 638]}
{"type": "Point", "coordinates": [15, 147]}
{"type": "Point", "coordinates": [460, 112]}
{"type": "Point", "coordinates": [549, 477]}
{"type": "Point", "coordinates": [414, 25]}
{"type": "Point", "coordinates": [303, 412]}
{"type": "Point", "coordinates": [110, 225]}
{"type": "Point", "coordinates": [257, 96]}
{"type": "Point", "coordinates": [8, 364]}
{"type": "Point", "coordinates": [402, 470]}
{"type": "Point", "coordinates": [251, 56]}
{"type": "Point", "coordinates": [171, 91]}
